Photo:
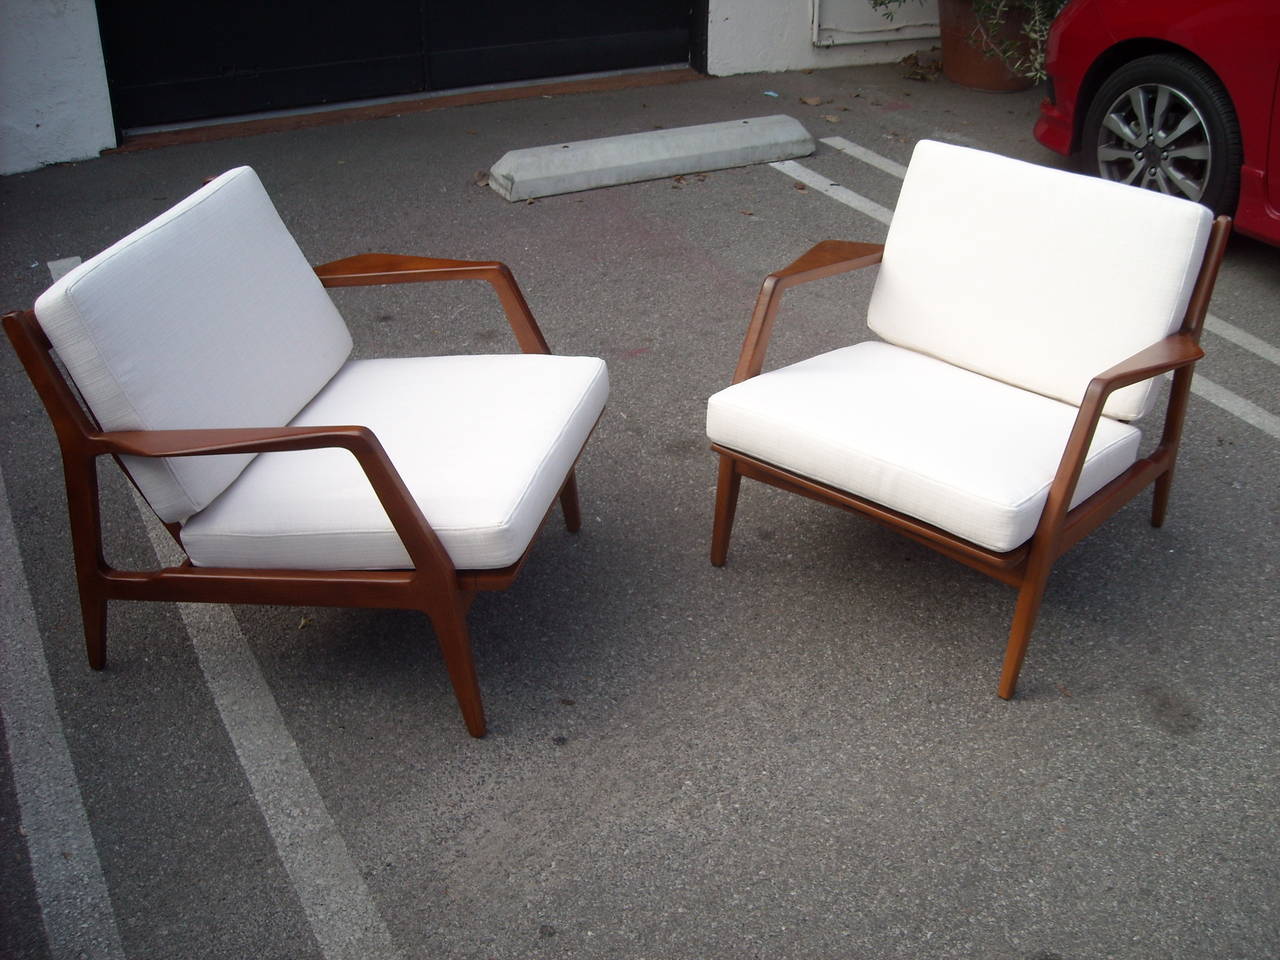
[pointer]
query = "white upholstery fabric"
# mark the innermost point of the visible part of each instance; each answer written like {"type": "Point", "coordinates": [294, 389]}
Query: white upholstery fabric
{"type": "Point", "coordinates": [963, 452]}
{"type": "Point", "coordinates": [482, 442]}
{"type": "Point", "coordinates": [1036, 277]}
{"type": "Point", "coordinates": [208, 316]}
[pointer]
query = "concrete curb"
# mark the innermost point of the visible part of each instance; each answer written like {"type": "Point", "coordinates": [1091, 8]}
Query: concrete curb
{"type": "Point", "coordinates": [587, 164]}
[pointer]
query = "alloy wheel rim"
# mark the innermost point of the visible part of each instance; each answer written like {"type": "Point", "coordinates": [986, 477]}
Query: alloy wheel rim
{"type": "Point", "coordinates": [1153, 136]}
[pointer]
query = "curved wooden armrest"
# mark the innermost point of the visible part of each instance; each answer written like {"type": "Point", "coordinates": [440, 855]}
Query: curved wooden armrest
{"type": "Point", "coordinates": [373, 268]}
{"type": "Point", "coordinates": [825, 259]}
{"type": "Point", "coordinates": [1173, 352]}
{"type": "Point", "coordinates": [197, 443]}
{"type": "Point", "coordinates": [368, 269]}
{"type": "Point", "coordinates": [828, 258]}
{"type": "Point", "coordinates": [420, 541]}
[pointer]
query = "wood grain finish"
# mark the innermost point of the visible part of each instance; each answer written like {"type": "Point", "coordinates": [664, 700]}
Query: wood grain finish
{"type": "Point", "coordinates": [378, 268]}
{"type": "Point", "coordinates": [1027, 568]}
{"type": "Point", "coordinates": [826, 259]}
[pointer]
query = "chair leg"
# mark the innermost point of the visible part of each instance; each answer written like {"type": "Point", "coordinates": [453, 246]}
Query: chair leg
{"type": "Point", "coordinates": [569, 503]}
{"type": "Point", "coordinates": [93, 611]}
{"type": "Point", "coordinates": [1160, 503]}
{"type": "Point", "coordinates": [450, 622]}
{"type": "Point", "coordinates": [726, 505]}
{"type": "Point", "coordinates": [1024, 620]}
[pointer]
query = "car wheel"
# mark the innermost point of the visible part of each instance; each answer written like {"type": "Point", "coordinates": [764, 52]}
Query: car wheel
{"type": "Point", "coordinates": [1166, 123]}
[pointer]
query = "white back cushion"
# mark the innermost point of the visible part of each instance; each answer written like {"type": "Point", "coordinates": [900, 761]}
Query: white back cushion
{"type": "Point", "coordinates": [208, 316]}
{"type": "Point", "coordinates": [1040, 278]}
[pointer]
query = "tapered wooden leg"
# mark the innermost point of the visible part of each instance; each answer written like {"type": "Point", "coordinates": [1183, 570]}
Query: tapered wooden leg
{"type": "Point", "coordinates": [450, 624]}
{"type": "Point", "coordinates": [1024, 620]}
{"type": "Point", "coordinates": [726, 505]}
{"type": "Point", "coordinates": [1160, 504]}
{"type": "Point", "coordinates": [569, 503]}
{"type": "Point", "coordinates": [93, 611]}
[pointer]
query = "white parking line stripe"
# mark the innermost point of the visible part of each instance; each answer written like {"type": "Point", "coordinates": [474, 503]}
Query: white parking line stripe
{"type": "Point", "coordinates": [867, 156]}
{"type": "Point", "coordinates": [60, 268]}
{"type": "Point", "coordinates": [74, 903]}
{"type": "Point", "coordinates": [339, 908]}
{"type": "Point", "coordinates": [834, 190]}
{"type": "Point", "coordinates": [1240, 338]}
{"type": "Point", "coordinates": [1246, 410]}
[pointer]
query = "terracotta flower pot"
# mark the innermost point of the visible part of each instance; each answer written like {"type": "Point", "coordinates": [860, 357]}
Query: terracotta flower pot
{"type": "Point", "coordinates": [967, 63]}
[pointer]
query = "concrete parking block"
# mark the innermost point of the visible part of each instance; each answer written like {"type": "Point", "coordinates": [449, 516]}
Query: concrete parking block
{"type": "Point", "coordinates": [586, 164]}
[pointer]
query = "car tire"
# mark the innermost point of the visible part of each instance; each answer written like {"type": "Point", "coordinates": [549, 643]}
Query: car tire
{"type": "Point", "coordinates": [1165, 122]}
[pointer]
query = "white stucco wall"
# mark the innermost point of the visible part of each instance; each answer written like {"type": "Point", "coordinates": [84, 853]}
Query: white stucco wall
{"type": "Point", "coordinates": [750, 36]}
{"type": "Point", "coordinates": [54, 104]}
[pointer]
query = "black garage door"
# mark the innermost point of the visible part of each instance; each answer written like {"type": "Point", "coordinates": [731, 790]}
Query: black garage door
{"type": "Point", "coordinates": [170, 62]}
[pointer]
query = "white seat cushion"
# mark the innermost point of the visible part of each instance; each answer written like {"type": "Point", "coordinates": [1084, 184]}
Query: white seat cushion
{"type": "Point", "coordinates": [208, 316]}
{"type": "Point", "coordinates": [1036, 277]}
{"type": "Point", "coordinates": [483, 443]}
{"type": "Point", "coordinates": [971, 455]}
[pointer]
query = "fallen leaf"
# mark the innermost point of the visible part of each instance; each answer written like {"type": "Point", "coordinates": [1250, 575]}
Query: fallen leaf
{"type": "Point", "coordinates": [922, 66]}
{"type": "Point", "coordinates": [481, 178]}
{"type": "Point", "coordinates": [746, 213]}
{"type": "Point", "coordinates": [830, 118]}
{"type": "Point", "coordinates": [811, 101]}
{"type": "Point", "coordinates": [800, 186]}
{"type": "Point", "coordinates": [304, 623]}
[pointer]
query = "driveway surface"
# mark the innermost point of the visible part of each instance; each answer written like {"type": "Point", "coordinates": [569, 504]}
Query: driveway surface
{"type": "Point", "coordinates": [800, 755]}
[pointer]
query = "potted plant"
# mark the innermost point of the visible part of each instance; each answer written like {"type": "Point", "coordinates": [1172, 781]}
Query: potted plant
{"type": "Point", "coordinates": [990, 44]}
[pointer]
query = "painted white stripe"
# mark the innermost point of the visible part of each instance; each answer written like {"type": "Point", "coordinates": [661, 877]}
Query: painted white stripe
{"type": "Point", "coordinates": [834, 190]}
{"type": "Point", "coordinates": [1240, 338]}
{"type": "Point", "coordinates": [867, 156]}
{"type": "Point", "coordinates": [60, 268]}
{"type": "Point", "coordinates": [1246, 410]}
{"type": "Point", "coordinates": [339, 908]}
{"type": "Point", "coordinates": [74, 903]}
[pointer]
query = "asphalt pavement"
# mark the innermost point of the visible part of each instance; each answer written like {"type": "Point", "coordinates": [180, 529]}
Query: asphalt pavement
{"type": "Point", "coordinates": [799, 755]}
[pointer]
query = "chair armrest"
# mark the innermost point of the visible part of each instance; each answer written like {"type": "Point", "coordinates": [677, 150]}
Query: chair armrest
{"type": "Point", "coordinates": [374, 268]}
{"type": "Point", "coordinates": [1173, 352]}
{"type": "Point", "coordinates": [826, 259]}
{"type": "Point", "coordinates": [198, 443]}
{"type": "Point", "coordinates": [420, 541]}
{"type": "Point", "coordinates": [368, 269]}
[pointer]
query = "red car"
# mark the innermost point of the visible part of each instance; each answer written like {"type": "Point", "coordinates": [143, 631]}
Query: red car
{"type": "Point", "coordinates": [1181, 96]}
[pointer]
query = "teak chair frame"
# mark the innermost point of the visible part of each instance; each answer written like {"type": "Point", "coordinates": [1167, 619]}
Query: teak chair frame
{"type": "Point", "coordinates": [431, 586]}
{"type": "Point", "coordinates": [1060, 528]}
